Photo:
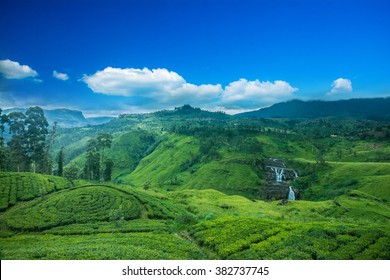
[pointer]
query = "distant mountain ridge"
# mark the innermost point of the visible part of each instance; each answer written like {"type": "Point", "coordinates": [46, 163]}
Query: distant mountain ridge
{"type": "Point", "coordinates": [66, 118]}
{"type": "Point", "coordinates": [364, 107]}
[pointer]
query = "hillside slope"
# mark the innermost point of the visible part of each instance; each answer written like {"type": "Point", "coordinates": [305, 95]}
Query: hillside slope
{"type": "Point", "coordinates": [365, 107]}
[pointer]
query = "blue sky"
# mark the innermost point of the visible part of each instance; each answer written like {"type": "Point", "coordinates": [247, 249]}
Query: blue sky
{"type": "Point", "coordinates": [112, 57]}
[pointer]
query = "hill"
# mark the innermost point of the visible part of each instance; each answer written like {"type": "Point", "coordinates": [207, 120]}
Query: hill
{"type": "Point", "coordinates": [377, 108]}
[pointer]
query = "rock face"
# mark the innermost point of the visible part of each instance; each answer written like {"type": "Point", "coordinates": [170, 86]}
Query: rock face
{"type": "Point", "coordinates": [279, 178]}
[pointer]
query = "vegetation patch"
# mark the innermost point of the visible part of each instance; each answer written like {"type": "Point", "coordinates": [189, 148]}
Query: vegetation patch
{"type": "Point", "coordinates": [23, 186]}
{"type": "Point", "coordinates": [80, 205]}
{"type": "Point", "coordinates": [250, 238]}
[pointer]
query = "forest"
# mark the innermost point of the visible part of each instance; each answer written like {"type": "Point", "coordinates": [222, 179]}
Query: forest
{"type": "Point", "coordinates": [192, 184]}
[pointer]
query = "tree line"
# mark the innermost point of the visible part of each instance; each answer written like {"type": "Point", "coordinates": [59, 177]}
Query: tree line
{"type": "Point", "coordinates": [97, 167]}
{"type": "Point", "coordinates": [29, 148]}
{"type": "Point", "coordinates": [30, 143]}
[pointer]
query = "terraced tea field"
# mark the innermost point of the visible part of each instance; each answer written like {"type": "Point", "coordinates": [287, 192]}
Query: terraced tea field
{"type": "Point", "coordinates": [123, 222]}
{"type": "Point", "coordinates": [22, 186]}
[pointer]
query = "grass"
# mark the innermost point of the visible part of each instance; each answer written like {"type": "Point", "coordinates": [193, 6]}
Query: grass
{"type": "Point", "coordinates": [168, 159]}
{"type": "Point", "coordinates": [230, 177]}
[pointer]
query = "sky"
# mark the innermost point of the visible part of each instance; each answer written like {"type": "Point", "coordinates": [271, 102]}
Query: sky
{"type": "Point", "coordinates": [117, 56]}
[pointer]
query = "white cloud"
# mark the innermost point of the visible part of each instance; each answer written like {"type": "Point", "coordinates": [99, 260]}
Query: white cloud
{"type": "Point", "coordinates": [156, 85]}
{"type": "Point", "coordinates": [160, 88]}
{"type": "Point", "coordinates": [60, 76]}
{"type": "Point", "coordinates": [254, 94]}
{"type": "Point", "coordinates": [132, 82]}
{"type": "Point", "coordinates": [341, 85]}
{"type": "Point", "coordinates": [13, 70]}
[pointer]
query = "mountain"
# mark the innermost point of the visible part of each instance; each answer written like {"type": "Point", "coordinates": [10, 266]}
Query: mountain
{"type": "Point", "coordinates": [365, 107]}
{"type": "Point", "coordinates": [66, 118]}
{"type": "Point", "coordinates": [98, 120]}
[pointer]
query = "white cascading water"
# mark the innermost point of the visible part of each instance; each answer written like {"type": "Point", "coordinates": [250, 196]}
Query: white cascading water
{"type": "Point", "coordinates": [279, 172]}
{"type": "Point", "coordinates": [291, 194]}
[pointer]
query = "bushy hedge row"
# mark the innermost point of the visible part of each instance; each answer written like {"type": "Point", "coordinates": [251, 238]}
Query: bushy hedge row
{"type": "Point", "coordinates": [250, 238]}
{"type": "Point", "coordinates": [23, 186]}
{"type": "Point", "coordinates": [158, 208]}
{"type": "Point", "coordinates": [81, 205]}
{"type": "Point", "coordinates": [139, 225]}
{"type": "Point", "coordinates": [106, 246]}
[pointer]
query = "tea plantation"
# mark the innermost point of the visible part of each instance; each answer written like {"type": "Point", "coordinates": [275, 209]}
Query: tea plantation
{"type": "Point", "coordinates": [122, 222]}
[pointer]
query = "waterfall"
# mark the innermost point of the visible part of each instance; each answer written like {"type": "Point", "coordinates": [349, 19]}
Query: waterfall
{"type": "Point", "coordinates": [279, 172]}
{"type": "Point", "coordinates": [291, 194]}
{"type": "Point", "coordinates": [295, 174]}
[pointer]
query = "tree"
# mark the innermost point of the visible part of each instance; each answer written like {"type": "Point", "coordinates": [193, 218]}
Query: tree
{"type": "Point", "coordinates": [108, 165]}
{"type": "Point", "coordinates": [36, 131]}
{"type": "Point", "coordinates": [47, 158]}
{"type": "Point", "coordinates": [60, 162]}
{"type": "Point", "coordinates": [320, 157]}
{"type": "Point", "coordinates": [3, 120]}
{"type": "Point", "coordinates": [339, 153]}
{"type": "Point", "coordinates": [4, 159]}
{"type": "Point", "coordinates": [17, 144]}
{"type": "Point", "coordinates": [104, 140]}
{"type": "Point", "coordinates": [71, 172]}
{"type": "Point", "coordinates": [92, 164]}
{"type": "Point", "coordinates": [4, 152]}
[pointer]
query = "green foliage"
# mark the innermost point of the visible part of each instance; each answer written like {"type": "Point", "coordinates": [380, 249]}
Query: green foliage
{"type": "Point", "coordinates": [71, 172]}
{"type": "Point", "coordinates": [80, 205]}
{"type": "Point", "coordinates": [326, 182]}
{"type": "Point", "coordinates": [92, 163]}
{"type": "Point", "coordinates": [90, 228]}
{"type": "Point", "coordinates": [250, 238]}
{"type": "Point", "coordinates": [192, 181]}
{"type": "Point", "coordinates": [15, 187]}
{"type": "Point", "coordinates": [60, 162]}
{"type": "Point", "coordinates": [35, 136]}
{"type": "Point", "coordinates": [108, 166]}
{"type": "Point", "coordinates": [103, 246]}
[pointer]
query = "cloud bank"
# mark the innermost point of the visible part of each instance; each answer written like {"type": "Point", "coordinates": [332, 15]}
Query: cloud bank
{"type": "Point", "coordinates": [253, 94]}
{"type": "Point", "coordinates": [159, 88]}
{"type": "Point", "coordinates": [60, 76]}
{"type": "Point", "coordinates": [13, 70]}
{"type": "Point", "coordinates": [341, 85]}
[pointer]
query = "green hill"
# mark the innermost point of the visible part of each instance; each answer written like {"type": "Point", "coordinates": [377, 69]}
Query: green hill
{"type": "Point", "coordinates": [364, 107]}
{"type": "Point", "coordinates": [23, 186]}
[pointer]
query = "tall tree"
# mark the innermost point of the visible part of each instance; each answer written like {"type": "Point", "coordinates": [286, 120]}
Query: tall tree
{"type": "Point", "coordinates": [4, 153]}
{"type": "Point", "coordinates": [108, 165]}
{"type": "Point", "coordinates": [36, 132]}
{"type": "Point", "coordinates": [3, 121]}
{"type": "Point", "coordinates": [47, 158]}
{"type": "Point", "coordinates": [104, 140]}
{"type": "Point", "coordinates": [92, 164]}
{"type": "Point", "coordinates": [17, 144]}
{"type": "Point", "coordinates": [71, 172]}
{"type": "Point", "coordinates": [60, 162]}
